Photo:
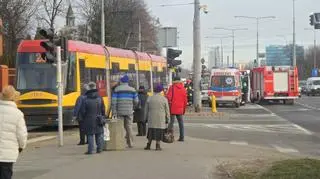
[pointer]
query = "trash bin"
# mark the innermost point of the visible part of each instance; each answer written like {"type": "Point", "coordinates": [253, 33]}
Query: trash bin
{"type": "Point", "coordinates": [117, 139]}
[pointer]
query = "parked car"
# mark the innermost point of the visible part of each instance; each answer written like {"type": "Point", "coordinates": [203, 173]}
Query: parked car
{"type": "Point", "coordinates": [313, 86]}
{"type": "Point", "coordinates": [302, 87]}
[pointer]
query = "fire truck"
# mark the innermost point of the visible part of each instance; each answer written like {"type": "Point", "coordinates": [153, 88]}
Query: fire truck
{"type": "Point", "coordinates": [274, 83]}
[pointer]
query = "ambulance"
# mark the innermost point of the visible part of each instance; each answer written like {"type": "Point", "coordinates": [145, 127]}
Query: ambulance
{"type": "Point", "coordinates": [225, 85]}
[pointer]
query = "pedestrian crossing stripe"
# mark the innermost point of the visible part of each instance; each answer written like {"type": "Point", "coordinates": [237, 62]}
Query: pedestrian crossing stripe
{"type": "Point", "coordinates": [276, 128]}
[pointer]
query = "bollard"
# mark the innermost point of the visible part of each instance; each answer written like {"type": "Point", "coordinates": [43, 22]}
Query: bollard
{"type": "Point", "coordinates": [213, 104]}
{"type": "Point", "coordinates": [116, 141]}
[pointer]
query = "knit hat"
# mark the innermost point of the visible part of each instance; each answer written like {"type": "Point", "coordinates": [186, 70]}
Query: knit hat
{"type": "Point", "coordinates": [9, 94]}
{"type": "Point", "coordinates": [158, 88]}
{"type": "Point", "coordinates": [92, 85]}
{"type": "Point", "coordinates": [124, 79]}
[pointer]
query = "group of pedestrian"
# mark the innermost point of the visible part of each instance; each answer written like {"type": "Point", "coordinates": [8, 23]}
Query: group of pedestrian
{"type": "Point", "coordinates": [158, 111]}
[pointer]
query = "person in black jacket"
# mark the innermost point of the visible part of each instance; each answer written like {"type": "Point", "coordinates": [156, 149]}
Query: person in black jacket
{"type": "Point", "coordinates": [77, 115]}
{"type": "Point", "coordinates": [139, 112]}
{"type": "Point", "coordinates": [93, 106]}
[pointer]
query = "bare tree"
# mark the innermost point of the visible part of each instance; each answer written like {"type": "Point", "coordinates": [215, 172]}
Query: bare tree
{"type": "Point", "coordinates": [122, 20]}
{"type": "Point", "coordinates": [16, 16]}
{"type": "Point", "coordinates": [50, 10]}
{"type": "Point", "coordinates": [307, 64]}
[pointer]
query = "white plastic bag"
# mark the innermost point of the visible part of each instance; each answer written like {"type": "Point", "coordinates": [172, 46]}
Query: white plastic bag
{"type": "Point", "coordinates": [106, 133]}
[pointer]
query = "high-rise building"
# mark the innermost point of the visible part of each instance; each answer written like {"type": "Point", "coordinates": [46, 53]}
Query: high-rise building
{"type": "Point", "coordinates": [279, 55]}
{"type": "Point", "coordinates": [214, 58]}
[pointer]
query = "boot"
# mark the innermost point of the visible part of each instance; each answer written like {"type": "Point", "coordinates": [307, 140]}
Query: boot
{"type": "Point", "coordinates": [158, 147]}
{"type": "Point", "coordinates": [148, 146]}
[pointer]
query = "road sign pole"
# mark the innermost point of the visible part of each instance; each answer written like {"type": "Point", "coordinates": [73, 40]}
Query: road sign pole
{"type": "Point", "coordinates": [60, 95]}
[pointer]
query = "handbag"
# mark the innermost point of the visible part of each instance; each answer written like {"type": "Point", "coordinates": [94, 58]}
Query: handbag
{"type": "Point", "coordinates": [168, 136]}
{"type": "Point", "coordinates": [101, 119]}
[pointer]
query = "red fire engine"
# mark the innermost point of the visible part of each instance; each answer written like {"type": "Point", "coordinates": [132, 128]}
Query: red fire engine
{"type": "Point", "coordinates": [274, 83]}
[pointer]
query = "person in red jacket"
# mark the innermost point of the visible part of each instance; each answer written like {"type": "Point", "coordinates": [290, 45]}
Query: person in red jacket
{"type": "Point", "coordinates": [177, 98]}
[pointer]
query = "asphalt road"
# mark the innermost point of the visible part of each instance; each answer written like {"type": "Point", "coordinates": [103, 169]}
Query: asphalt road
{"type": "Point", "coordinates": [286, 128]}
{"type": "Point", "coordinates": [306, 113]}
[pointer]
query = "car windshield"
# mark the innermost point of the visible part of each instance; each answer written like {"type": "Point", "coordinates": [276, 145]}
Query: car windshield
{"type": "Point", "coordinates": [222, 81]}
{"type": "Point", "coordinates": [34, 74]}
{"type": "Point", "coordinates": [317, 82]}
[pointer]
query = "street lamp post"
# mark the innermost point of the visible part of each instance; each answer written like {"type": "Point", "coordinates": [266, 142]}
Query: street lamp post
{"type": "Point", "coordinates": [314, 46]}
{"type": "Point", "coordinates": [102, 24]}
{"type": "Point", "coordinates": [258, 20]}
{"type": "Point", "coordinates": [233, 36]}
{"type": "Point", "coordinates": [294, 62]}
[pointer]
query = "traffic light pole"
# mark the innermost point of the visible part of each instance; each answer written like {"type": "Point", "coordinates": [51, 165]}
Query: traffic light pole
{"type": "Point", "coordinates": [315, 48]}
{"type": "Point", "coordinates": [60, 95]}
{"type": "Point", "coordinates": [196, 57]}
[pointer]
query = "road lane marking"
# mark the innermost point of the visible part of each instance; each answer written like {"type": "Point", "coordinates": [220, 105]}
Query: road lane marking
{"type": "Point", "coordinates": [303, 129]}
{"type": "Point", "coordinates": [238, 143]}
{"type": "Point", "coordinates": [267, 128]}
{"type": "Point", "coordinates": [308, 106]}
{"type": "Point", "coordinates": [295, 110]}
{"type": "Point", "coordinates": [40, 139]}
{"type": "Point", "coordinates": [285, 150]}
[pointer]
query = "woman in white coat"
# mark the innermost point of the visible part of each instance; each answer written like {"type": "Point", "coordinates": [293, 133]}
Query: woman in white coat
{"type": "Point", "coordinates": [13, 131]}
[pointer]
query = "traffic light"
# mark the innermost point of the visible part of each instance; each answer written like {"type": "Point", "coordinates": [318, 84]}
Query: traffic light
{"type": "Point", "coordinates": [50, 54]}
{"type": "Point", "coordinates": [317, 20]}
{"type": "Point", "coordinates": [51, 44]}
{"type": "Point", "coordinates": [171, 55]}
{"type": "Point", "coordinates": [311, 19]}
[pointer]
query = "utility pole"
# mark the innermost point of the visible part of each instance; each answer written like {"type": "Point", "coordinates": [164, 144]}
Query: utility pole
{"type": "Point", "coordinates": [257, 56]}
{"type": "Point", "coordinates": [60, 95]}
{"type": "Point", "coordinates": [221, 53]}
{"type": "Point", "coordinates": [102, 24]}
{"type": "Point", "coordinates": [197, 56]}
{"type": "Point", "coordinates": [314, 46]}
{"type": "Point", "coordinates": [139, 36]}
{"type": "Point", "coordinates": [294, 63]}
{"type": "Point", "coordinates": [228, 65]}
{"type": "Point", "coordinates": [258, 21]}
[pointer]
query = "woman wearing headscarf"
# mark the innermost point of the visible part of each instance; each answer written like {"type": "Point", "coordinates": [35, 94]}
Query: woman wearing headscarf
{"type": "Point", "coordinates": [13, 131]}
{"type": "Point", "coordinates": [158, 114]}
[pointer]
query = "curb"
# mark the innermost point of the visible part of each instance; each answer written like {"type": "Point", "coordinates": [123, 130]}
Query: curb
{"type": "Point", "coordinates": [40, 139]}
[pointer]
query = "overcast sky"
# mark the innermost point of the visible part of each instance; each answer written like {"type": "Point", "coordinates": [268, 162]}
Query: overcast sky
{"type": "Point", "coordinates": [221, 14]}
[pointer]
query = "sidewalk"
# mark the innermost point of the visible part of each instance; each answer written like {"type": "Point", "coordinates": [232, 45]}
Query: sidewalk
{"type": "Point", "coordinates": [193, 159]}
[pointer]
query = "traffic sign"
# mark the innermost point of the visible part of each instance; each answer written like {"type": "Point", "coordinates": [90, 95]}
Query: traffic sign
{"type": "Point", "coordinates": [314, 72]}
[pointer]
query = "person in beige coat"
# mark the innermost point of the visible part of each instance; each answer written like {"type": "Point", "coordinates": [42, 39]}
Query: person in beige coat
{"type": "Point", "coordinates": [13, 131]}
{"type": "Point", "coordinates": [158, 115]}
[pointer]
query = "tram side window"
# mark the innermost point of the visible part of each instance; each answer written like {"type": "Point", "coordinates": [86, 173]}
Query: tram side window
{"type": "Point", "coordinates": [144, 79]}
{"type": "Point", "coordinates": [132, 76]}
{"type": "Point", "coordinates": [71, 81]}
{"type": "Point", "coordinates": [156, 76]}
{"type": "Point", "coordinates": [163, 77]}
{"type": "Point", "coordinates": [84, 74]}
{"type": "Point", "coordinates": [99, 77]}
{"type": "Point", "coordinates": [115, 72]}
